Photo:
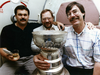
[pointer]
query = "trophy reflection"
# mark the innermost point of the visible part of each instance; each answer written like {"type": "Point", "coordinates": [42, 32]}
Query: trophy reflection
{"type": "Point", "coordinates": [50, 43]}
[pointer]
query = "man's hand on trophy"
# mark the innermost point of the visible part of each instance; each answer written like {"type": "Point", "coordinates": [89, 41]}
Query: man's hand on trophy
{"type": "Point", "coordinates": [40, 63]}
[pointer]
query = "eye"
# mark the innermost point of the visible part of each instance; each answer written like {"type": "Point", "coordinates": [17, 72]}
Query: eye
{"type": "Point", "coordinates": [43, 18]}
{"type": "Point", "coordinates": [49, 18]}
{"type": "Point", "coordinates": [46, 18]}
{"type": "Point", "coordinates": [20, 14]}
{"type": "Point", "coordinates": [74, 11]}
{"type": "Point", "coordinates": [25, 14]}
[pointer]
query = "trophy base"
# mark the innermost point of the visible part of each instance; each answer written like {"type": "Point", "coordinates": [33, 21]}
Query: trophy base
{"type": "Point", "coordinates": [64, 72]}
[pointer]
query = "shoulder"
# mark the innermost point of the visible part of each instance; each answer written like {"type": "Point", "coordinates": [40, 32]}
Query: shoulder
{"type": "Point", "coordinates": [96, 30]}
{"type": "Point", "coordinates": [8, 27]}
{"type": "Point", "coordinates": [68, 29]}
{"type": "Point", "coordinates": [38, 28]}
{"type": "Point", "coordinates": [34, 25]}
{"type": "Point", "coordinates": [93, 33]}
{"type": "Point", "coordinates": [55, 27]}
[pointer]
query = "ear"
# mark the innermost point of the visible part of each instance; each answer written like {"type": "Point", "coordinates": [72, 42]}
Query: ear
{"type": "Point", "coordinates": [53, 18]}
{"type": "Point", "coordinates": [83, 14]}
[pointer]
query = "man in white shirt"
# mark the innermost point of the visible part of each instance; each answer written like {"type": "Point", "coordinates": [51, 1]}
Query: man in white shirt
{"type": "Point", "coordinates": [47, 19]}
{"type": "Point", "coordinates": [82, 47]}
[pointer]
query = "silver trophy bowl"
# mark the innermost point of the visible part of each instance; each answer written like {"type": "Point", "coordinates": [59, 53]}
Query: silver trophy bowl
{"type": "Point", "coordinates": [50, 42]}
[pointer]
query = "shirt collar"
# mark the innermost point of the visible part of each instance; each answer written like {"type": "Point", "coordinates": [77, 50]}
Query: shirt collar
{"type": "Point", "coordinates": [52, 28]}
{"type": "Point", "coordinates": [81, 32]}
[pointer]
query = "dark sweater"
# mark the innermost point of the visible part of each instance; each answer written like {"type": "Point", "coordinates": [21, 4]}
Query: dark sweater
{"type": "Point", "coordinates": [13, 37]}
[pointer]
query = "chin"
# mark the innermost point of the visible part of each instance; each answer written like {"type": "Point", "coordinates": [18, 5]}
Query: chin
{"type": "Point", "coordinates": [48, 25]}
{"type": "Point", "coordinates": [75, 23]}
{"type": "Point", "coordinates": [23, 24]}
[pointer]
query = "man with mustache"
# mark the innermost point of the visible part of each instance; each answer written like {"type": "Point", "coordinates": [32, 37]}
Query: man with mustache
{"type": "Point", "coordinates": [18, 36]}
{"type": "Point", "coordinates": [82, 47]}
{"type": "Point", "coordinates": [47, 19]}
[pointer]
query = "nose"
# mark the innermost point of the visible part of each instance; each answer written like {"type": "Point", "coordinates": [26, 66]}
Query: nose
{"type": "Point", "coordinates": [72, 14]}
{"type": "Point", "coordinates": [22, 16]}
{"type": "Point", "coordinates": [47, 20]}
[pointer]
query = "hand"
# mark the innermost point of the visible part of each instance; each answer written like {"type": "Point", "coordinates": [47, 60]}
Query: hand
{"type": "Point", "coordinates": [13, 57]}
{"type": "Point", "coordinates": [90, 25]}
{"type": "Point", "coordinates": [60, 25]}
{"type": "Point", "coordinates": [40, 63]}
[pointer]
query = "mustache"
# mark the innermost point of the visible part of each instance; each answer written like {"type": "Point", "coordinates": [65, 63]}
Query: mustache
{"type": "Point", "coordinates": [47, 22]}
{"type": "Point", "coordinates": [22, 19]}
{"type": "Point", "coordinates": [73, 18]}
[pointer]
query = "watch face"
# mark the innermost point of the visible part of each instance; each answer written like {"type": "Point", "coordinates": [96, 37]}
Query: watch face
{"type": "Point", "coordinates": [15, 1]}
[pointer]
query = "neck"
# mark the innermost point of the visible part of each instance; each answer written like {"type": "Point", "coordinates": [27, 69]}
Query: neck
{"type": "Point", "coordinates": [48, 28]}
{"type": "Point", "coordinates": [79, 28]}
{"type": "Point", "coordinates": [20, 26]}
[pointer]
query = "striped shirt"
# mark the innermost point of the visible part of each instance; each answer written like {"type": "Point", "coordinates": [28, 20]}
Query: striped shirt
{"type": "Point", "coordinates": [83, 49]}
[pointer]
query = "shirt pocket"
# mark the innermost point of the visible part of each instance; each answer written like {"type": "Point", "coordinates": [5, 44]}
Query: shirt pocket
{"type": "Point", "coordinates": [70, 52]}
{"type": "Point", "coordinates": [87, 51]}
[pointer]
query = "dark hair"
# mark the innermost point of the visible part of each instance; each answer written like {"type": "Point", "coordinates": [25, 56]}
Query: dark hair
{"type": "Point", "coordinates": [21, 7]}
{"type": "Point", "coordinates": [45, 10]}
{"type": "Point", "coordinates": [80, 6]}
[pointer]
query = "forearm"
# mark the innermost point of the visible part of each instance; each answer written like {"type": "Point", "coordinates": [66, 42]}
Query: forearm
{"type": "Point", "coordinates": [55, 23]}
{"type": "Point", "coordinates": [2, 53]}
{"type": "Point", "coordinates": [96, 70]}
{"type": "Point", "coordinates": [60, 25]}
{"type": "Point", "coordinates": [9, 56]}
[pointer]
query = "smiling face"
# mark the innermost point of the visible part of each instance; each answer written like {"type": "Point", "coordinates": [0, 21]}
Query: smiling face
{"type": "Point", "coordinates": [47, 19]}
{"type": "Point", "coordinates": [75, 16]}
{"type": "Point", "coordinates": [22, 17]}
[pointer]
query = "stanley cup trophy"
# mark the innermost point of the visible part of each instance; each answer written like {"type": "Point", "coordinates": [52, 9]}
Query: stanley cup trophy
{"type": "Point", "coordinates": [50, 43]}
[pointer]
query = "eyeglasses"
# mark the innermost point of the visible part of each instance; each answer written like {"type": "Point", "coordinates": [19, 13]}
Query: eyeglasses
{"type": "Point", "coordinates": [48, 18]}
{"type": "Point", "coordinates": [74, 12]}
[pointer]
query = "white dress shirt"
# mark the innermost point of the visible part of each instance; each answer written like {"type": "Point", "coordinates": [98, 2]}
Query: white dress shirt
{"type": "Point", "coordinates": [83, 49]}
